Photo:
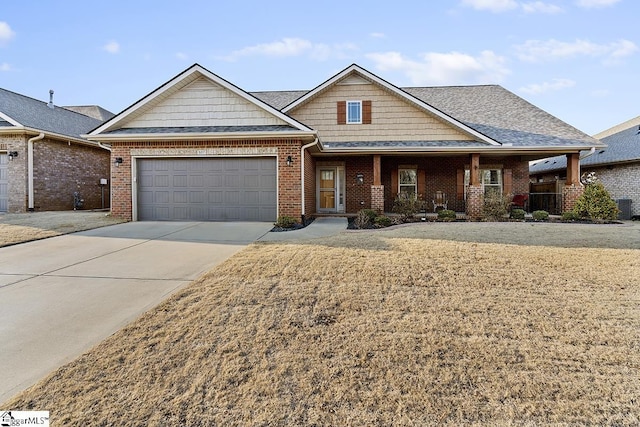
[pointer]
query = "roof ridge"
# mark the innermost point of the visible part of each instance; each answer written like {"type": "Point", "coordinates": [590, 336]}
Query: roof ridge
{"type": "Point", "coordinates": [46, 103]}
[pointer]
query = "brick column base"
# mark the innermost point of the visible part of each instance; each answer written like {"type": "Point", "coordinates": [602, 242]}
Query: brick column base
{"type": "Point", "coordinates": [475, 203]}
{"type": "Point", "coordinates": [570, 194]}
{"type": "Point", "coordinates": [377, 198]}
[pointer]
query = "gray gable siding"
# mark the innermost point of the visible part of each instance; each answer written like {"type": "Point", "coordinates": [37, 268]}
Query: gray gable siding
{"type": "Point", "coordinates": [36, 114]}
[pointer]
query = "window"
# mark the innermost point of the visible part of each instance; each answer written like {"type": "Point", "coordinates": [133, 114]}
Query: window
{"type": "Point", "coordinates": [354, 112]}
{"type": "Point", "coordinates": [490, 180]}
{"type": "Point", "coordinates": [407, 182]}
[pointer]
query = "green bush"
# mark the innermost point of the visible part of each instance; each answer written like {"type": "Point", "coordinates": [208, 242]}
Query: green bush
{"type": "Point", "coordinates": [372, 214]}
{"type": "Point", "coordinates": [446, 215]}
{"type": "Point", "coordinates": [496, 206]}
{"type": "Point", "coordinates": [570, 216]}
{"type": "Point", "coordinates": [383, 221]}
{"type": "Point", "coordinates": [596, 203]}
{"type": "Point", "coordinates": [517, 214]}
{"type": "Point", "coordinates": [363, 220]}
{"type": "Point", "coordinates": [540, 215]}
{"type": "Point", "coordinates": [407, 205]}
{"type": "Point", "coordinates": [285, 222]}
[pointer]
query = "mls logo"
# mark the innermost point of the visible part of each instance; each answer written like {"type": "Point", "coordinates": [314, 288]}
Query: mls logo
{"type": "Point", "coordinates": [5, 419]}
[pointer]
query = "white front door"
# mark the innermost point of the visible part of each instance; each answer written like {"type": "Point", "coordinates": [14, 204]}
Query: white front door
{"type": "Point", "coordinates": [331, 189]}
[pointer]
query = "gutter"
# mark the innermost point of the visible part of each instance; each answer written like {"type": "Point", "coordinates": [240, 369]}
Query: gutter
{"type": "Point", "coordinates": [304, 147]}
{"type": "Point", "coordinates": [30, 167]}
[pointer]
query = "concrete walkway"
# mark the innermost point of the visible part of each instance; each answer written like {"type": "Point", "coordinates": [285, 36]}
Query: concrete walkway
{"type": "Point", "coordinates": [320, 227]}
{"type": "Point", "coordinates": [61, 296]}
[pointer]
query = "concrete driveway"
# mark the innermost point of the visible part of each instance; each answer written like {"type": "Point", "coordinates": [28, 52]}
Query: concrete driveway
{"type": "Point", "coordinates": [61, 296]}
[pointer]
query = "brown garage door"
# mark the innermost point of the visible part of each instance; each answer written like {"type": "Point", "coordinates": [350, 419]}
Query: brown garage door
{"type": "Point", "coordinates": [207, 189]}
{"type": "Point", "coordinates": [4, 182]}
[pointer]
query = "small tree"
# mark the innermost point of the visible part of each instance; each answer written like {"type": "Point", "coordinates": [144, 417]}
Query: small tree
{"type": "Point", "coordinates": [596, 203]}
{"type": "Point", "coordinates": [407, 205]}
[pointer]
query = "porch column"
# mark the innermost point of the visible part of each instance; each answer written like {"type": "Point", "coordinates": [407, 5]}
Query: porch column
{"type": "Point", "coordinates": [573, 188]}
{"type": "Point", "coordinates": [377, 189]}
{"type": "Point", "coordinates": [475, 195]}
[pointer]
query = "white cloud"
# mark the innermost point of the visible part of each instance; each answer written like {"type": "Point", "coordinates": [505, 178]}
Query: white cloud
{"type": "Point", "coordinates": [182, 56]}
{"type": "Point", "coordinates": [540, 7]}
{"type": "Point", "coordinates": [546, 50]}
{"type": "Point", "coordinates": [5, 67]}
{"type": "Point", "coordinates": [600, 93]}
{"type": "Point", "coordinates": [6, 33]}
{"type": "Point", "coordinates": [491, 5]}
{"type": "Point", "coordinates": [554, 85]}
{"type": "Point", "coordinates": [112, 47]}
{"type": "Point", "coordinates": [378, 35]}
{"type": "Point", "coordinates": [445, 68]}
{"type": "Point", "coordinates": [592, 4]}
{"type": "Point", "coordinates": [292, 47]}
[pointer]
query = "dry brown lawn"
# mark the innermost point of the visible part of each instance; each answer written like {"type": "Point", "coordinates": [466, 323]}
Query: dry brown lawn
{"type": "Point", "coordinates": [24, 227]}
{"type": "Point", "coordinates": [388, 328]}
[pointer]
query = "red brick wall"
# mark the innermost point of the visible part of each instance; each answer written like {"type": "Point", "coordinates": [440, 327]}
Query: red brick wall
{"type": "Point", "coordinates": [289, 180]}
{"type": "Point", "coordinates": [571, 193]}
{"type": "Point", "coordinates": [358, 196]}
{"type": "Point", "coordinates": [60, 169]}
{"type": "Point", "coordinates": [309, 184]}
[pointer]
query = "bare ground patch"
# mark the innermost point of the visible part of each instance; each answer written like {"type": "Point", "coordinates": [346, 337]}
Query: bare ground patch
{"type": "Point", "coordinates": [24, 227]}
{"type": "Point", "coordinates": [374, 328]}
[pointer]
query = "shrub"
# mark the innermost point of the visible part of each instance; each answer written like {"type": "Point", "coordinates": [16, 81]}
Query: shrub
{"type": "Point", "coordinates": [496, 206]}
{"type": "Point", "coordinates": [540, 215]}
{"type": "Point", "coordinates": [372, 214]}
{"type": "Point", "coordinates": [596, 203]}
{"type": "Point", "coordinates": [517, 214]}
{"type": "Point", "coordinates": [446, 215]}
{"type": "Point", "coordinates": [383, 221]}
{"type": "Point", "coordinates": [363, 220]}
{"type": "Point", "coordinates": [407, 205]}
{"type": "Point", "coordinates": [570, 216]}
{"type": "Point", "coordinates": [285, 222]}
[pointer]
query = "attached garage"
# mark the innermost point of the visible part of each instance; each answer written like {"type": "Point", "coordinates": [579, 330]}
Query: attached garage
{"type": "Point", "coordinates": [4, 182]}
{"type": "Point", "coordinates": [207, 189]}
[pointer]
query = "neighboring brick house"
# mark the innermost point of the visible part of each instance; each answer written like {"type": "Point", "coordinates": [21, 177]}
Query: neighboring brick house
{"type": "Point", "coordinates": [617, 165]}
{"type": "Point", "coordinates": [200, 148]}
{"type": "Point", "coordinates": [44, 160]}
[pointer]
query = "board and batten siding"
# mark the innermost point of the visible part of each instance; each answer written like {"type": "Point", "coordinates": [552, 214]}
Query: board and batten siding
{"type": "Point", "coordinates": [204, 103]}
{"type": "Point", "coordinates": [392, 118]}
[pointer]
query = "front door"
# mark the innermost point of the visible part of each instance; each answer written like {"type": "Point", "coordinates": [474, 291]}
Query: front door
{"type": "Point", "coordinates": [331, 189]}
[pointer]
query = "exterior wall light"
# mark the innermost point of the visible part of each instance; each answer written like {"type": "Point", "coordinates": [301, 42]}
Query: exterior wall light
{"type": "Point", "coordinates": [360, 178]}
{"type": "Point", "coordinates": [118, 161]}
{"type": "Point", "coordinates": [13, 155]}
{"type": "Point", "coordinates": [289, 160]}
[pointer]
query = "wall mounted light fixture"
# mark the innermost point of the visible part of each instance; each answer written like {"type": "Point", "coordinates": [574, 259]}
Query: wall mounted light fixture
{"type": "Point", "coordinates": [13, 155]}
{"type": "Point", "coordinates": [118, 161]}
{"type": "Point", "coordinates": [360, 178]}
{"type": "Point", "coordinates": [289, 160]}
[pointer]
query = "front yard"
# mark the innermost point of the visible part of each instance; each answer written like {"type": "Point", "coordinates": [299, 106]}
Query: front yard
{"type": "Point", "coordinates": [453, 324]}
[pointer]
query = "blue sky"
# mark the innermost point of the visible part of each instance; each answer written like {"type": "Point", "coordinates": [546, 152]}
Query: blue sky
{"type": "Point", "coordinates": [577, 59]}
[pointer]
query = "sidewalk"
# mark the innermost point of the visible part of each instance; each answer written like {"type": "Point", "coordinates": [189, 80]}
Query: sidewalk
{"type": "Point", "coordinates": [320, 227]}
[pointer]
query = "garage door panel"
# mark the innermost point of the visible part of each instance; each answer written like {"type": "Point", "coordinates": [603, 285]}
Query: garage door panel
{"type": "Point", "coordinates": [213, 189]}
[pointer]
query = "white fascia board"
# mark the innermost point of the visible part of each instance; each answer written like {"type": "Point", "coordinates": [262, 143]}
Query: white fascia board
{"type": "Point", "coordinates": [198, 136]}
{"type": "Point", "coordinates": [58, 136]}
{"type": "Point", "coordinates": [372, 77]}
{"type": "Point", "coordinates": [9, 119]}
{"type": "Point", "coordinates": [196, 68]}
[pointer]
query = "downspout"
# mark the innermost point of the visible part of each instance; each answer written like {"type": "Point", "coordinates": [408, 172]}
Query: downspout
{"type": "Point", "coordinates": [304, 147]}
{"type": "Point", "coordinates": [30, 168]}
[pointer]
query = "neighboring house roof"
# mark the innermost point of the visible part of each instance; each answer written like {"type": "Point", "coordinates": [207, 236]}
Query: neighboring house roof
{"type": "Point", "coordinates": [622, 147]}
{"type": "Point", "coordinates": [128, 122]}
{"type": "Point", "coordinates": [19, 112]}
{"type": "Point", "coordinates": [95, 111]}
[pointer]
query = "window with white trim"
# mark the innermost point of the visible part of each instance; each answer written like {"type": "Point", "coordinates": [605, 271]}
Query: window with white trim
{"type": "Point", "coordinates": [408, 182]}
{"type": "Point", "coordinates": [354, 112]}
{"type": "Point", "coordinates": [490, 180]}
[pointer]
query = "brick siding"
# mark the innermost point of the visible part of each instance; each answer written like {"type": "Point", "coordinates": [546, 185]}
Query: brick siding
{"type": "Point", "coordinates": [59, 169]}
{"type": "Point", "coordinates": [571, 193]}
{"type": "Point", "coordinates": [622, 182]}
{"type": "Point", "coordinates": [289, 182]}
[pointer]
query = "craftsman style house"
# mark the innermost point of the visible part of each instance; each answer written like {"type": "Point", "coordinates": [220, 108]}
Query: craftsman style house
{"type": "Point", "coordinates": [201, 148]}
